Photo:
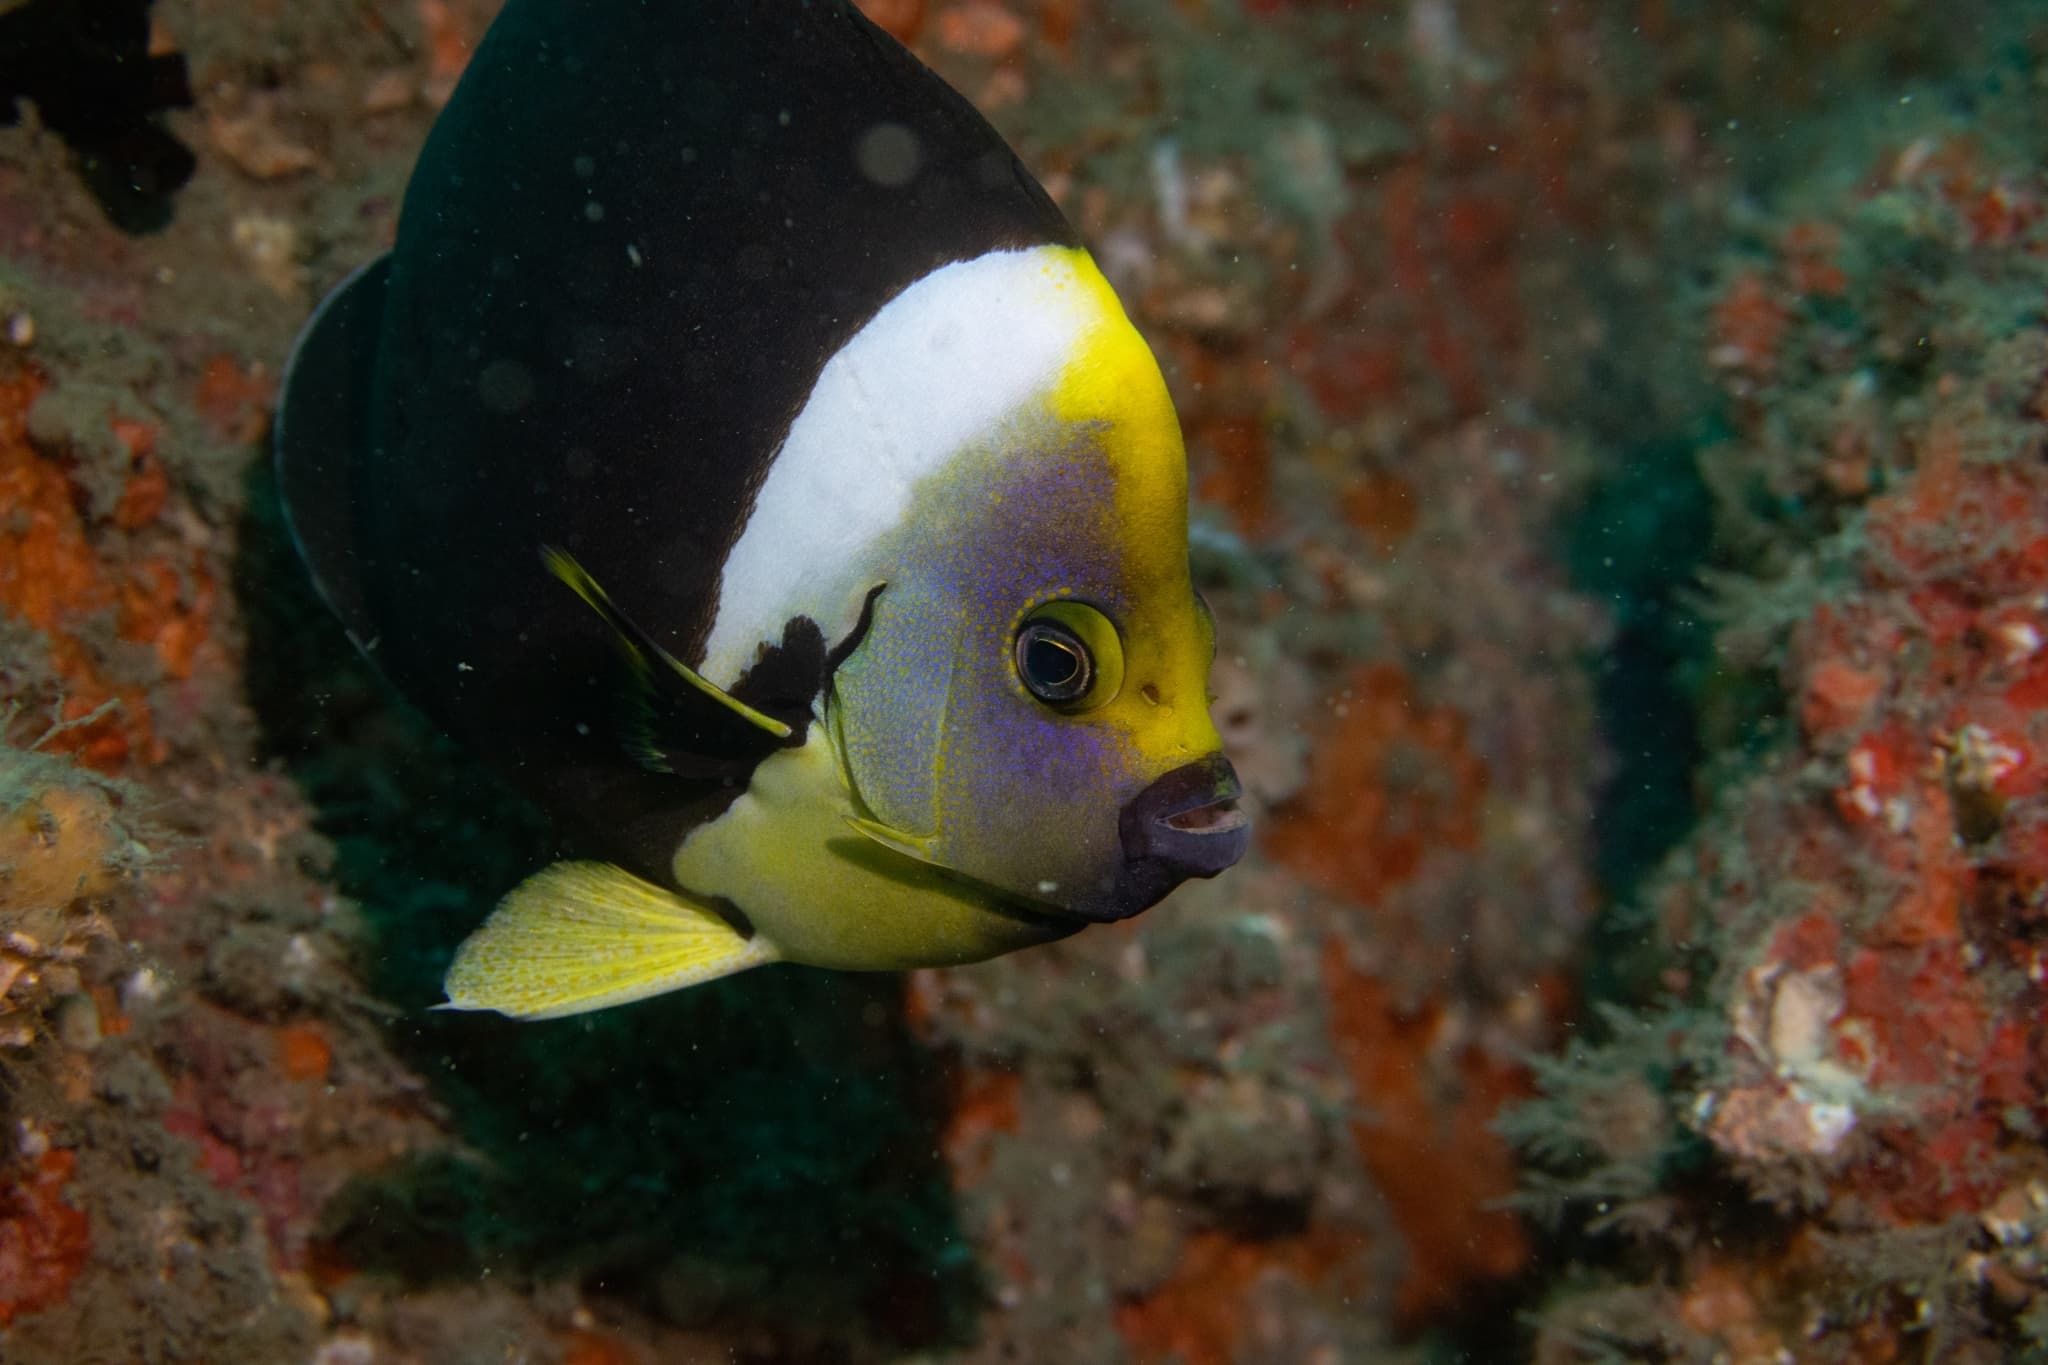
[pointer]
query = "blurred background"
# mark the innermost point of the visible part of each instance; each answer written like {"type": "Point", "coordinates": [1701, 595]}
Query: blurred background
{"type": "Point", "coordinates": [1617, 435]}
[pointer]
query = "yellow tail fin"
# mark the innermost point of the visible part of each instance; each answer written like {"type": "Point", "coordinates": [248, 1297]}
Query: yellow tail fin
{"type": "Point", "coordinates": [583, 936]}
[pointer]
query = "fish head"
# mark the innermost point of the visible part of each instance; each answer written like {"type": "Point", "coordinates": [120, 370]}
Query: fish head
{"type": "Point", "coordinates": [1029, 705]}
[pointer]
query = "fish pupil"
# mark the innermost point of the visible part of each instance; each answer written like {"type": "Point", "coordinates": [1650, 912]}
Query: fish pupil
{"type": "Point", "coordinates": [1052, 662]}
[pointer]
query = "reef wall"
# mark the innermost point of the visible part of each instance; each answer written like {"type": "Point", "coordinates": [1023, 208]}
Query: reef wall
{"type": "Point", "coordinates": [1616, 433]}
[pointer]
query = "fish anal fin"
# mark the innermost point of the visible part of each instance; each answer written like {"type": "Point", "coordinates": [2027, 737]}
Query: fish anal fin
{"type": "Point", "coordinates": [582, 936]}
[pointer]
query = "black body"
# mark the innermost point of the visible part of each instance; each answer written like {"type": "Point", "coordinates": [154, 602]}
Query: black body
{"type": "Point", "coordinates": [636, 234]}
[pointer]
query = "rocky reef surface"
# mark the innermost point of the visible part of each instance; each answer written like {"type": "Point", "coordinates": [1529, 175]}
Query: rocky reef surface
{"type": "Point", "coordinates": [1617, 435]}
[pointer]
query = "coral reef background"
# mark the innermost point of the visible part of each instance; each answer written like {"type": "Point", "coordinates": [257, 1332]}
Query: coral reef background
{"type": "Point", "coordinates": [1618, 435]}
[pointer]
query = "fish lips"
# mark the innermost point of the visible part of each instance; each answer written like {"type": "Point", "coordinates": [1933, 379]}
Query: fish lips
{"type": "Point", "coordinates": [1185, 824]}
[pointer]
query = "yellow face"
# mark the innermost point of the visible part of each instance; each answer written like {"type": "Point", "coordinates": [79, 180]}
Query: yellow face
{"type": "Point", "coordinates": [1030, 702]}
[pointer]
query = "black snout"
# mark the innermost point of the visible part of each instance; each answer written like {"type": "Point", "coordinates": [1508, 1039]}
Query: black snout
{"type": "Point", "coordinates": [1184, 825]}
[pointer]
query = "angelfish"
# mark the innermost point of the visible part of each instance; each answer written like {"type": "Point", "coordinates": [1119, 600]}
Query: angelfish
{"type": "Point", "coordinates": [738, 447]}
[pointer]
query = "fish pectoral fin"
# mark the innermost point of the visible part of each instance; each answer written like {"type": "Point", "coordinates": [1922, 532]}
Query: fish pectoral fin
{"type": "Point", "coordinates": [581, 936]}
{"type": "Point", "coordinates": [917, 846]}
{"type": "Point", "coordinates": [669, 680]}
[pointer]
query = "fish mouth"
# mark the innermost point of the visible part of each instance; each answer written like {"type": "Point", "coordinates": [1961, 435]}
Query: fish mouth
{"type": "Point", "coordinates": [1185, 824]}
{"type": "Point", "coordinates": [1188, 823]}
{"type": "Point", "coordinates": [1211, 818]}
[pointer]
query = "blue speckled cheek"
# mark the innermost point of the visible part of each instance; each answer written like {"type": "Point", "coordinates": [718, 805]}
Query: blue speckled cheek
{"type": "Point", "coordinates": [940, 736]}
{"type": "Point", "coordinates": [1029, 796]}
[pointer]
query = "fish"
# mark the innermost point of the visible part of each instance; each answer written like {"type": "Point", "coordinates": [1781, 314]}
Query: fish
{"type": "Point", "coordinates": [739, 450]}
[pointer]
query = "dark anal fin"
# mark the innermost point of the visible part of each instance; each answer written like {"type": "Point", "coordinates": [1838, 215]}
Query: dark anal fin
{"type": "Point", "coordinates": [322, 423]}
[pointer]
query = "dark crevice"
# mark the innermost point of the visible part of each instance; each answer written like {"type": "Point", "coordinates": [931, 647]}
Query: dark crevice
{"type": "Point", "coordinates": [1637, 546]}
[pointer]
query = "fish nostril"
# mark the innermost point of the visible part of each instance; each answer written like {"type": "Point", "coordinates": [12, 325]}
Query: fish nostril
{"type": "Point", "coordinates": [1149, 693]}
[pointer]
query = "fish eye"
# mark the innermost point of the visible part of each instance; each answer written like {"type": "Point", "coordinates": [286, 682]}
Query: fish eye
{"type": "Point", "coordinates": [1068, 656]}
{"type": "Point", "coordinates": [1053, 662]}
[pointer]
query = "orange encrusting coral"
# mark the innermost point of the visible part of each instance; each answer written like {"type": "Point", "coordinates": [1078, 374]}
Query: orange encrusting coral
{"type": "Point", "coordinates": [43, 1239]}
{"type": "Point", "coordinates": [58, 571]}
{"type": "Point", "coordinates": [586, 1346]}
{"type": "Point", "coordinates": [234, 399]}
{"type": "Point", "coordinates": [1928, 947]}
{"type": "Point", "coordinates": [1384, 506]}
{"type": "Point", "coordinates": [1429, 1141]}
{"type": "Point", "coordinates": [1199, 1315]}
{"type": "Point", "coordinates": [1239, 475]}
{"type": "Point", "coordinates": [1393, 782]}
{"type": "Point", "coordinates": [1225, 413]}
{"type": "Point", "coordinates": [902, 20]}
{"type": "Point", "coordinates": [984, 1105]}
{"type": "Point", "coordinates": [451, 31]}
{"type": "Point", "coordinates": [1749, 326]}
{"type": "Point", "coordinates": [304, 1053]}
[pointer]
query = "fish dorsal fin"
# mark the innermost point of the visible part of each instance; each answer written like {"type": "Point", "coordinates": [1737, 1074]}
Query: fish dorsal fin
{"type": "Point", "coordinates": [672, 701]}
{"type": "Point", "coordinates": [582, 936]}
{"type": "Point", "coordinates": [321, 436]}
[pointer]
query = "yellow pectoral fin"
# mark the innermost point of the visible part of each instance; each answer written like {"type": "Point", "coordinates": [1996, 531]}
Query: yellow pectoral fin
{"type": "Point", "coordinates": [583, 936]}
{"type": "Point", "coordinates": [909, 845]}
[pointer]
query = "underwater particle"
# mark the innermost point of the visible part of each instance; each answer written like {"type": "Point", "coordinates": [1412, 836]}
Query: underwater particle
{"type": "Point", "coordinates": [1170, 195]}
{"type": "Point", "coordinates": [888, 154]}
{"type": "Point", "coordinates": [21, 330]}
